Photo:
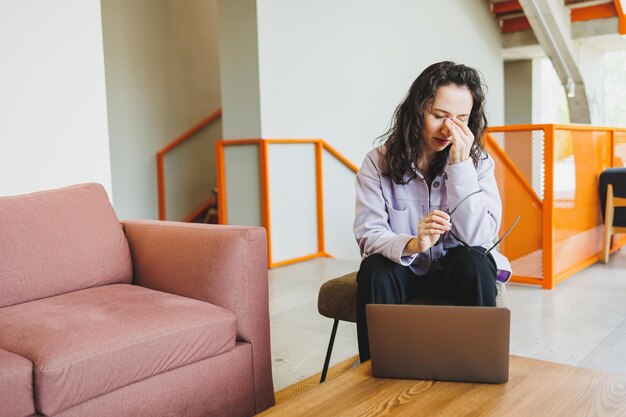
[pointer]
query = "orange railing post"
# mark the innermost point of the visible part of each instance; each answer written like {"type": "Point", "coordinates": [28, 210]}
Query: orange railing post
{"type": "Point", "coordinates": [221, 183]}
{"type": "Point", "coordinates": [319, 186]}
{"type": "Point", "coordinates": [160, 185]}
{"type": "Point", "coordinates": [612, 148]}
{"type": "Point", "coordinates": [548, 208]}
{"type": "Point", "coordinates": [265, 191]}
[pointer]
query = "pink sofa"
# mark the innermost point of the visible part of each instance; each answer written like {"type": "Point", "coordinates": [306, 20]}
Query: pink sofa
{"type": "Point", "coordinates": [139, 318]}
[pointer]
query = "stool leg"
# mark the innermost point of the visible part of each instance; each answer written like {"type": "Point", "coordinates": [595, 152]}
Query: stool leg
{"type": "Point", "coordinates": [331, 342]}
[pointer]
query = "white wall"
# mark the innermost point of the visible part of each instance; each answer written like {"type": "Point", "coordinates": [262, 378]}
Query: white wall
{"type": "Point", "coordinates": [53, 131]}
{"type": "Point", "coordinates": [591, 65]}
{"type": "Point", "coordinates": [162, 72]}
{"type": "Point", "coordinates": [615, 89]}
{"type": "Point", "coordinates": [337, 70]}
{"type": "Point", "coordinates": [339, 197]}
{"type": "Point", "coordinates": [549, 99]}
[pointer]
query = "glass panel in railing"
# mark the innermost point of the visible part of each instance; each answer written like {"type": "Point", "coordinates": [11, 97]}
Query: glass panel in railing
{"type": "Point", "coordinates": [579, 158]}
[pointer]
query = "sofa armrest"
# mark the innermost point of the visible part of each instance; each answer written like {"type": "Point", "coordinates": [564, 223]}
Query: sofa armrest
{"type": "Point", "coordinates": [222, 265]}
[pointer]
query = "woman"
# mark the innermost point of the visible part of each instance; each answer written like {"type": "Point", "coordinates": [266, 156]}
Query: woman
{"type": "Point", "coordinates": [427, 205]}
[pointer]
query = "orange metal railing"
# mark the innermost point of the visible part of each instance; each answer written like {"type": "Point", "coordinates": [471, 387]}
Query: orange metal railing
{"type": "Point", "coordinates": [546, 173]}
{"type": "Point", "coordinates": [160, 157]}
{"type": "Point", "coordinates": [320, 146]}
{"type": "Point", "coordinates": [549, 175]}
{"type": "Point", "coordinates": [518, 197]}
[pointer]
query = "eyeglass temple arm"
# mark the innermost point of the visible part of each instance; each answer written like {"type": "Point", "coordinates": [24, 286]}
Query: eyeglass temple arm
{"type": "Point", "coordinates": [504, 235]}
{"type": "Point", "coordinates": [454, 209]}
{"type": "Point", "coordinates": [464, 198]}
{"type": "Point", "coordinates": [465, 244]}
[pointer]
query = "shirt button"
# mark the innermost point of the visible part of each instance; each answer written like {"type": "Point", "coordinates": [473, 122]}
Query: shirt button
{"type": "Point", "coordinates": [435, 184]}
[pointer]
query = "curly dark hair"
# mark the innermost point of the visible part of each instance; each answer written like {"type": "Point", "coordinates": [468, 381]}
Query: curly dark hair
{"type": "Point", "coordinates": [402, 142]}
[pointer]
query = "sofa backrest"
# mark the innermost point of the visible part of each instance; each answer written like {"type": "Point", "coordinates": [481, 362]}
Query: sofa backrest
{"type": "Point", "coordinates": [53, 242]}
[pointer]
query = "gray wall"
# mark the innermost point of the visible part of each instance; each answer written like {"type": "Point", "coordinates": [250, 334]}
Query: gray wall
{"type": "Point", "coordinates": [518, 92]}
{"type": "Point", "coordinates": [162, 74]}
{"type": "Point", "coordinates": [239, 64]}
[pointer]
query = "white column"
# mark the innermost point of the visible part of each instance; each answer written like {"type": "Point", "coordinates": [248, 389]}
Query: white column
{"type": "Point", "coordinates": [239, 69]}
{"type": "Point", "coordinates": [52, 96]}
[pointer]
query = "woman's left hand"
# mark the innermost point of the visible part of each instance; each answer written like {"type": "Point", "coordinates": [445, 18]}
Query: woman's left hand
{"type": "Point", "coordinates": [462, 140]}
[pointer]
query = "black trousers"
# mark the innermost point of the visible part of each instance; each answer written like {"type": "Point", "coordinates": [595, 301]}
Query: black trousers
{"type": "Point", "coordinates": [461, 276]}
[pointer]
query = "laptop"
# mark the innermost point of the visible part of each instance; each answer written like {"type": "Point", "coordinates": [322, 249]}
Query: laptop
{"type": "Point", "coordinates": [441, 343]}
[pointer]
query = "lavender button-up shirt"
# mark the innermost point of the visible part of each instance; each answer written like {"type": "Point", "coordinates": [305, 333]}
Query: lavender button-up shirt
{"type": "Point", "coordinates": [387, 214]}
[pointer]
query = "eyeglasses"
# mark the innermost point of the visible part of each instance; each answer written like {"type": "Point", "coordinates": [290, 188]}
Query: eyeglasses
{"type": "Point", "coordinates": [467, 245]}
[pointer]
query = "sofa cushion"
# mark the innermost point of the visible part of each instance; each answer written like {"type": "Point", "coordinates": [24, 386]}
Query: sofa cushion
{"type": "Point", "coordinates": [221, 386]}
{"type": "Point", "coordinates": [93, 341]}
{"type": "Point", "coordinates": [53, 242]}
{"type": "Point", "coordinates": [16, 385]}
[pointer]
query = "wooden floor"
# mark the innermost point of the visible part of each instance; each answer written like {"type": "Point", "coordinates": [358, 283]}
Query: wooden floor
{"type": "Point", "coordinates": [535, 388]}
{"type": "Point", "coordinates": [313, 381]}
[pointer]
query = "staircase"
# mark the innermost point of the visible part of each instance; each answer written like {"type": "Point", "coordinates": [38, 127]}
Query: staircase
{"type": "Point", "coordinates": [536, 28]}
{"type": "Point", "coordinates": [207, 213]}
{"type": "Point", "coordinates": [511, 15]}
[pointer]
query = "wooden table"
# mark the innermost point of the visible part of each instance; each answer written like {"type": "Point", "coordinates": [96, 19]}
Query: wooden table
{"type": "Point", "coordinates": [535, 388]}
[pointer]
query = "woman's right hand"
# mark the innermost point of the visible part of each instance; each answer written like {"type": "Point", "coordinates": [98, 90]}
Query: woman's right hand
{"type": "Point", "coordinates": [429, 229]}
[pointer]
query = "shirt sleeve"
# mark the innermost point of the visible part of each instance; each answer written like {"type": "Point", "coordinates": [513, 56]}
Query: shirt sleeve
{"type": "Point", "coordinates": [477, 219]}
{"type": "Point", "coordinates": [371, 225]}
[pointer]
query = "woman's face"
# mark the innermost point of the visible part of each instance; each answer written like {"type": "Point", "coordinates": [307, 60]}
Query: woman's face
{"type": "Point", "coordinates": [450, 101]}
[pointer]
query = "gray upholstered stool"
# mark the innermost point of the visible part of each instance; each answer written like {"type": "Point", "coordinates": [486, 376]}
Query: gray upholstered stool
{"type": "Point", "coordinates": [337, 300]}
